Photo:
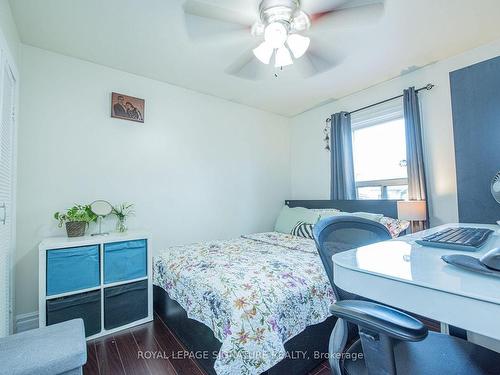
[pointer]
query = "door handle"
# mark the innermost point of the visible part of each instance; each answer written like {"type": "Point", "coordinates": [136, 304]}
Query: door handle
{"type": "Point", "coordinates": [3, 220]}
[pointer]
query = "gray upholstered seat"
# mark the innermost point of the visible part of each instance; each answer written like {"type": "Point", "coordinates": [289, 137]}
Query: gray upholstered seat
{"type": "Point", "coordinates": [56, 349]}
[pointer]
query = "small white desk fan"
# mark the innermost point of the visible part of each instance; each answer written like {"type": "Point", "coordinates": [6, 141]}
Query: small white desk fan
{"type": "Point", "coordinates": [495, 189]}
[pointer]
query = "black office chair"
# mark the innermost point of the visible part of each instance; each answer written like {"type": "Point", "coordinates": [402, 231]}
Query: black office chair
{"type": "Point", "coordinates": [390, 341]}
{"type": "Point", "coordinates": [335, 235]}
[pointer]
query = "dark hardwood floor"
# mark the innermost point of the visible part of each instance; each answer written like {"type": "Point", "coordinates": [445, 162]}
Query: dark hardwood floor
{"type": "Point", "coordinates": [127, 353]}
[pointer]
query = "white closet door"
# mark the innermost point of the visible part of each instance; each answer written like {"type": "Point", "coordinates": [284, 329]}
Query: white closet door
{"type": "Point", "coordinates": [7, 95]}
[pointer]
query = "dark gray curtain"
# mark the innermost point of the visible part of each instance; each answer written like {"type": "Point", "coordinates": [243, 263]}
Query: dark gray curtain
{"type": "Point", "coordinates": [342, 174]}
{"type": "Point", "coordinates": [414, 149]}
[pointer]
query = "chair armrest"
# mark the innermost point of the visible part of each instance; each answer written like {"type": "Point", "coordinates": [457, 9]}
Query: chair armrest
{"type": "Point", "coordinates": [381, 319]}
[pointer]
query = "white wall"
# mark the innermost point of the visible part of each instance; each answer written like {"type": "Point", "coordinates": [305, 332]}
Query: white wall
{"type": "Point", "coordinates": [199, 168]}
{"type": "Point", "coordinates": [310, 163]}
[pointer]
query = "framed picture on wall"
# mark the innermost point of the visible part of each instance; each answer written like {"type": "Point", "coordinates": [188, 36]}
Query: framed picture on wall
{"type": "Point", "coordinates": [127, 107]}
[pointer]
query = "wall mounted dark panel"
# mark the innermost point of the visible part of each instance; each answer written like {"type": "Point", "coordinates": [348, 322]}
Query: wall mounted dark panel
{"type": "Point", "coordinates": [475, 93]}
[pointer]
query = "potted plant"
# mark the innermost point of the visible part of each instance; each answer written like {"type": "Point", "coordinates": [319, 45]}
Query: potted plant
{"type": "Point", "coordinates": [122, 213]}
{"type": "Point", "coordinates": [76, 218]}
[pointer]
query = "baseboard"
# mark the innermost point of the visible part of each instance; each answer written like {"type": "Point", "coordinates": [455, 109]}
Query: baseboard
{"type": "Point", "coordinates": [25, 322]}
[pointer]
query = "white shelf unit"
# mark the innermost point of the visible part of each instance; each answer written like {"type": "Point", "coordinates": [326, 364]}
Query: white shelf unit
{"type": "Point", "coordinates": [59, 243]}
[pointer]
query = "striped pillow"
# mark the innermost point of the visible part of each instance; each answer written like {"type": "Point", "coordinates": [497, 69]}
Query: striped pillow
{"type": "Point", "coordinates": [302, 229]}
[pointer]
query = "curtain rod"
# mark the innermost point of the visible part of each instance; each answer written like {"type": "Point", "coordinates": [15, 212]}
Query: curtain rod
{"type": "Point", "coordinates": [429, 86]}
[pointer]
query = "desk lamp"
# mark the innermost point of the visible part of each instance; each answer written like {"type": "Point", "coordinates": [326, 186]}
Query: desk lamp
{"type": "Point", "coordinates": [415, 212]}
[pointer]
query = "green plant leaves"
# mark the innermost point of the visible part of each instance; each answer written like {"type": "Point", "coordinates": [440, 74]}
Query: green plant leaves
{"type": "Point", "coordinates": [76, 213]}
{"type": "Point", "coordinates": [84, 213]}
{"type": "Point", "coordinates": [124, 210]}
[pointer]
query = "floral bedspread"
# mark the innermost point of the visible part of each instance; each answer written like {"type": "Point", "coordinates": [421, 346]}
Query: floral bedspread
{"type": "Point", "coordinates": [254, 293]}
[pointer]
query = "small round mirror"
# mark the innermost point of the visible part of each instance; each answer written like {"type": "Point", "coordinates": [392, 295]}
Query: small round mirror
{"type": "Point", "coordinates": [101, 208]}
{"type": "Point", "coordinates": [495, 187]}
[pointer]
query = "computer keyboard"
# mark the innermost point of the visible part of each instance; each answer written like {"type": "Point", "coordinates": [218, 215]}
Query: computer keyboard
{"type": "Point", "coordinates": [466, 239]}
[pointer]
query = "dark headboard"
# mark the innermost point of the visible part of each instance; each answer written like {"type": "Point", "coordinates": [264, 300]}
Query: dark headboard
{"type": "Point", "coordinates": [387, 207]}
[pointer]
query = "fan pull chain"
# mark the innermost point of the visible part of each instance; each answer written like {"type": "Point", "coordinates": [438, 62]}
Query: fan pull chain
{"type": "Point", "coordinates": [276, 75]}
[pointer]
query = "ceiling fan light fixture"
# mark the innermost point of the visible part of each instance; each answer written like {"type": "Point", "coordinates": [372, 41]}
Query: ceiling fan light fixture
{"type": "Point", "coordinates": [276, 34]}
{"type": "Point", "coordinates": [264, 52]}
{"type": "Point", "coordinates": [298, 44]}
{"type": "Point", "coordinates": [283, 57]}
{"type": "Point", "coordinates": [300, 22]}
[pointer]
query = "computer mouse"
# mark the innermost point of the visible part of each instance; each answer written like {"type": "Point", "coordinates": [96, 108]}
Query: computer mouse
{"type": "Point", "coordinates": [492, 259]}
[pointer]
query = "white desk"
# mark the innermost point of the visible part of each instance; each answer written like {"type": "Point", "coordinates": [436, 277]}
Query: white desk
{"type": "Point", "coordinates": [412, 277]}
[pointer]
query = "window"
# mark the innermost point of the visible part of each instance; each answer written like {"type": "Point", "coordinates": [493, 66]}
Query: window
{"type": "Point", "coordinates": [379, 150]}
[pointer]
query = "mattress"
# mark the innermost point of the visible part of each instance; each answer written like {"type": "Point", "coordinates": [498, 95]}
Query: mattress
{"type": "Point", "coordinates": [255, 293]}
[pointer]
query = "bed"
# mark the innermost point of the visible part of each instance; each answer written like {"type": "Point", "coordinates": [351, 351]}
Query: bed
{"type": "Point", "coordinates": [254, 304]}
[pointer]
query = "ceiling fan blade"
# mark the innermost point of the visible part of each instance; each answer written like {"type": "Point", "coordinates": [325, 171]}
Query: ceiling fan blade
{"type": "Point", "coordinates": [205, 22]}
{"type": "Point", "coordinates": [325, 6]}
{"type": "Point", "coordinates": [314, 63]}
{"type": "Point", "coordinates": [320, 6]}
{"type": "Point", "coordinates": [203, 29]}
{"type": "Point", "coordinates": [350, 14]}
{"type": "Point", "coordinates": [248, 67]}
{"type": "Point", "coordinates": [214, 12]}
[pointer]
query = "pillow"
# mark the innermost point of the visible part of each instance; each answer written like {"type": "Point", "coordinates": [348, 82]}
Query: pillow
{"type": "Point", "coordinates": [364, 215]}
{"type": "Point", "coordinates": [326, 212]}
{"type": "Point", "coordinates": [395, 226]}
{"type": "Point", "coordinates": [302, 229]}
{"type": "Point", "coordinates": [289, 217]}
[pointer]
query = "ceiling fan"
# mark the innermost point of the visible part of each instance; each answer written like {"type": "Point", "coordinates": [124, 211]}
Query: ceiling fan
{"type": "Point", "coordinates": [284, 30]}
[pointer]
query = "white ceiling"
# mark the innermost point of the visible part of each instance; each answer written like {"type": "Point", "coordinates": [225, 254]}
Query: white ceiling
{"type": "Point", "coordinates": [149, 38]}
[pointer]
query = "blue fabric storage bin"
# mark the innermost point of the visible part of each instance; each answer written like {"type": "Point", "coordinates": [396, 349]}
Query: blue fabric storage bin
{"type": "Point", "coordinates": [72, 269]}
{"type": "Point", "coordinates": [125, 261]}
